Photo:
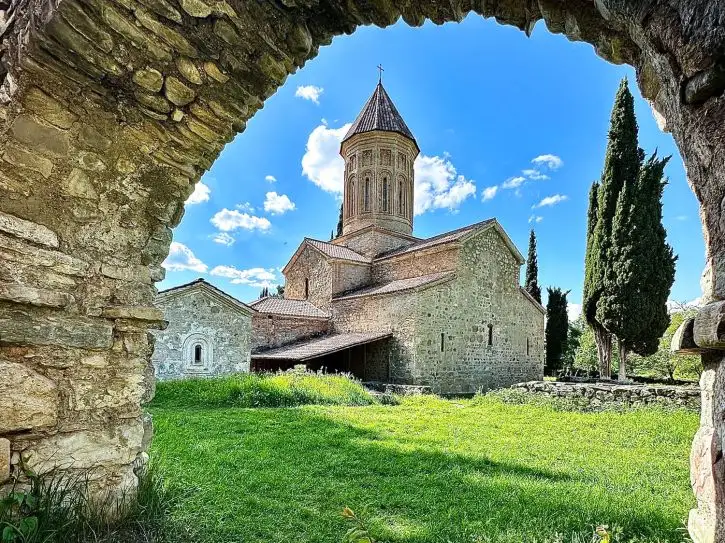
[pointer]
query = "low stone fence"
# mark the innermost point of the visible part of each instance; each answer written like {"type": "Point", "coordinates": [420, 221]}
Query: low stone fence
{"type": "Point", "coordinates": [400, 390]}
{"type": "Point", "coordinates": [603, 394]}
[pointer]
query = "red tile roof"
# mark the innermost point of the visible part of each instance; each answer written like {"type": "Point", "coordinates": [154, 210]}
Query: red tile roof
{"type": "Point", "coordinates": [314, 348]}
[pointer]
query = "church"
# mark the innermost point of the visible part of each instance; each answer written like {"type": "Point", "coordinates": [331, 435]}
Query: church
{"type": "Point", "coordinates": [446, 312]}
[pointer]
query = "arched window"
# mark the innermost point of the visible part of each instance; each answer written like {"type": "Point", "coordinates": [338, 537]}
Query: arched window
{"type": "Point", "coordinates": [400, 198]}
{"type": "Point", "coordinates": [385, 194]}
{"type": "Point", "coordinates": [527, 346]}
{"type": "Point", "coordinates": [350, 204]}
{"type": "Point", "coordinates": [490, 335]}
{"type": "Point", "coordinates": [197, 354]}
{"type": "Point", "coordinates": [367, 194]}
{"type": "Point", "coordinates": [307, 288]}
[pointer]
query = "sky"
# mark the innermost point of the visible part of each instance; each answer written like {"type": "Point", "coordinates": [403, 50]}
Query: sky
{"type": "Point", "coordinates": [508, 126]}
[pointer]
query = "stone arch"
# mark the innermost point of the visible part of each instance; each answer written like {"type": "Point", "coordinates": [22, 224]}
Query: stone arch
{"type": "Point", "coordinates": [198, 344]}
{"type": "Point", "coordinates": [110, 112]}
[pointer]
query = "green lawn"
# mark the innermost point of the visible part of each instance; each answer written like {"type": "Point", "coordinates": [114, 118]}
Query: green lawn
{"type": "Point", "coordinates": [427, 470]}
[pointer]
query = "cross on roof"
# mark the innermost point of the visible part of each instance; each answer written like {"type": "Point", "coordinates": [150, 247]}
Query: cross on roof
{"type": "Point", "coordinates": [380, 73]}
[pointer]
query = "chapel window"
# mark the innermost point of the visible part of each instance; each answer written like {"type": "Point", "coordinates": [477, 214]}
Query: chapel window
{"type": "Point", "coordinates": [490, 335]}
{"type": "Point", "coordinates": [443, 342]}
{"type": "Point", "coordinates": [385, 194]}
{"type": "Point", "coordinates": [307, 288]}
{"type": "Point", "coordinates": [527, 346]}
{"type": "Point", "coordinates": [367, 194]}
{"type": "Point", "coordinates": [197, 354]}
{"type": "Point", "coordinates": [400, 198]}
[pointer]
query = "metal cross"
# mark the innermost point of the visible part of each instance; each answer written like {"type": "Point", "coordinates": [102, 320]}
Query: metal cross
{"type": "Point", "coordinates": [380, 73]}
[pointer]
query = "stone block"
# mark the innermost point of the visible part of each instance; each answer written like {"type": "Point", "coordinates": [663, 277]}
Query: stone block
{"type": "Point", "coordinates": [28, 400]}
{"type": "Point", "coordinates": [178, 93]}
{"type": "Point", "coordinates": [22, 294]}
{"type": "Point", "coordinates": [196, 8]}
{"type": "Point", "coordinates": [133, 313]}
{"type": "Point", "coordinates": [53, 328]}
{"type": "Point", "coordinates": [27, 230]}
{"type": "Point", "coordinates": [48, 108]}
{"type": "Point", "coordinates": [189, 70]}
{"type": "Point", "coordinates": [25, 159]}
{"type": "Point", "coordinates": [149, 79]}
{"type": "Point", "coordinates": [4, 460]}
{"type": "Point", "coordinates": [41, 137]}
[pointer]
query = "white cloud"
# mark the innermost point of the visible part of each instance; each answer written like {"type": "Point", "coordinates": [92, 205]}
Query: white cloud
{"type": "Point", "coordinates": [681, 218]}
{"type": "Point", "coordinates": [246, 206]}
{"type": "Point", "coordinates": [322, 163]}
{"type": "Point", "coordinates": [552, 162]}
{"type": "Point", "coordinates": [277, 204]}
{"type": "Point", "coordinates": [573, 310]}
{"type": "Point", "coordinates": [223, 238]}
{"type": "Point", "coordinates": [536, 219]}
{"type": "Point", "coordinates": [182, 259]}
{"type": "Point", "coordinates": [270, 179]}
{"type": "Point", "coordinates": [438, 185]}
{"type": "Point", "coordinates": [551, 200]}
{"type": "Point", "coordinates": [534, 175]}
{"type": "Point", "coordinates": [309, 92]}
{"type": "Point", "coordinates": [489, 193]}
{"type": "Point", "coordinates": [229, 220]}
{"type": "Point", "coordinates": [513, 182]}
{"type": "Point", "coordinates": [254, 277]}
{"type": "Point", "coordinates": [200, 194]}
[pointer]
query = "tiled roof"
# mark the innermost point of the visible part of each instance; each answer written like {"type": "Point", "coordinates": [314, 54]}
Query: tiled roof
{"type": "Point", "coordinates": [314, 348]}
{"type": "Point", "coordinates": [338, 251]}
{"type": "Point", "coordinates": [379, 113]}
{"type": "Point", "coordinates": [202, 283]}
{"type": "Point", "coordinates": [446, 237]}
{"type": "Point", "coordinates": [283, 306]}
{"type": "Point", "coordinates": [398, 285]}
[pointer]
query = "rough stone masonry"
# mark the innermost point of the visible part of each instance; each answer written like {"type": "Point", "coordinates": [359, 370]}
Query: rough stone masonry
{"type": "Point", "coordinates": [112, 109]}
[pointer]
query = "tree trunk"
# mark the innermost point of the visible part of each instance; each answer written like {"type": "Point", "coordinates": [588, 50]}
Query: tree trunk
{"type": "Point", "coordinates": [622, 362]}
{"type": "Point", "coordinates": [603, 339]}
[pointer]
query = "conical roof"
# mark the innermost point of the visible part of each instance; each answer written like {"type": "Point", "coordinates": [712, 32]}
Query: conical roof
{"type": "Point", "coordinates": [379, 113]}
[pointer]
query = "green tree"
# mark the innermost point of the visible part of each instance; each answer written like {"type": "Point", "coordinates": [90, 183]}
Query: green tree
{"type": "Point", "coordinates": [339, 224]}
{"type": "Point", "coordinates": [633, 305]}
{"type": "Point", "coordinates": [557, 330]}
{"type": "Point", "coordinates": [280, 291]}
{"type": "Point", "coordinates": [621, 164]}
{"type": "Point", "coordinates": [532, 270]}
{"type": "Point", "coordinates": [264, 292]}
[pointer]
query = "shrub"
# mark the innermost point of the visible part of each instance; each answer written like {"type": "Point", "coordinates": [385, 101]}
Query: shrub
{"type": "Point", "coordinates": [283, 389]}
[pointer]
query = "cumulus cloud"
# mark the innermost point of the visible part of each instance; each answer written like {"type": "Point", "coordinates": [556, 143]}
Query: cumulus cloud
{"type": "Point", "coordinates": [181, 258]}
{"type": "Point", "coordinates": [228, 220]}
{"type": "Point", "coordinates": [223, 238]}
{"type": "Point", "coordinates": [489, 193]}
{"type": "Point", "coordinates": [551, 200]}
{"type": "Point", "coordinates": [322, 163]}
{"type": "Point", "coordinates": [200, 194]}
{"type": "Point", "coordinates": [277, 204]}
{"type": "Point", "coordinates": [438, 185]}
{"type": "Point", "coordinates": [513, 182]}
{"type": "Point", "coordinates": [309, 92]}
{"type": "Point", "coordinates": [534, 175]}
{"type": "Point", "coordinates": [573, 311]}
{"type": "Point", "coordinates": [535, 219]}
{"type": "Point", "coordinates": [552, 162]}
{"type": "Point", "coordinates": [254, 277]}
{"type": "Point", "coordinates": [270, 179]}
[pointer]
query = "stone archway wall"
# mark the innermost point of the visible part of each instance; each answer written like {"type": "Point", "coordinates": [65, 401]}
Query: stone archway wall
{"type": "Point", "coordinates": [110, 110]}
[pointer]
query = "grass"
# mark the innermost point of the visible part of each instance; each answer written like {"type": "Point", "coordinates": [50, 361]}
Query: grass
{"type": "Point", "coordinates": [285, 389]}
{"type": "Point", "coordinates": [427, 470]}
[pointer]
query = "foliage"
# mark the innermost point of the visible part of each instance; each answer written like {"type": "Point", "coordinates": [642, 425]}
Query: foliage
{"type": "Point", "coordinates": [282, 389]}
{"type": "Point", "coordinates": [280, 291]}
{"type": "Point", "coordinates": [264, 292]}
{"type": "Point", "coordinates": [572, 345]}
{"type": "Point", "coordinates": [359, 533]}
{"type": "Point", "coordinates": [532, 270]}
{"type": "Point", "coordinates": [55, 508]}
{"type": "Point", "coordinates": [427, 471]}
{"type": "Point", "coordinates": [557, 330]}
{"type": "Point", "coordinates": [339, 224]}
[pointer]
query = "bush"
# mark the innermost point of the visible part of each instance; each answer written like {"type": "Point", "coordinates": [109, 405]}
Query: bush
{"type": "Point", "coordinates": [283, 389]}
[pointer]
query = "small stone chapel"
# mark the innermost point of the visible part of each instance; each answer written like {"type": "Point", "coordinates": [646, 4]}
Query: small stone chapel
{"type": "Point", "coordinates": [447, 311]}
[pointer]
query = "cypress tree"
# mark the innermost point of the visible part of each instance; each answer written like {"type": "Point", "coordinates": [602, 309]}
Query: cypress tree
{"type": "Point", "coordinates": [621, 164]}
{"type": "Point", "coordinates": [339, 224]}
{"type": "Point", "coordinates": [557, 330]}
{"type": "Point", "coordinates": [532, 270]}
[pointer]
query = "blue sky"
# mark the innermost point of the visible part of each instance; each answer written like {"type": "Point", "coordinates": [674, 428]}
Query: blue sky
{"type": "Point", "coordinates": [483, 101]}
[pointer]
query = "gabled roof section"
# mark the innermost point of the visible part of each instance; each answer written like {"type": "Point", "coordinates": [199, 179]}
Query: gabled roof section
{"type": "Point", "coordinates": [399, 285]}
{"type": "Point", "coordinates": [453, 236]}
{"type": "Point", "coordinates": [379, 113]}
{"type": "Point", "coordinates": [530, 298]}
{"type": "Point", "coordinates": [204, 286]}
{"type": "Point", "coordinates": [330, 250]}
{"type": "Point", "coordinates": [288, 308]}
{"type": "Point", "coordinates": [314, 348]}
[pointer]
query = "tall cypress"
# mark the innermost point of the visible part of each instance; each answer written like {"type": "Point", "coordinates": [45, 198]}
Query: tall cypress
{"type": "Point", "coordinates": [557, 330]}
{"type": "Point", "coordinates": [339, 224]}
{"type": "Point", "coordinates": [532, 270]}
{"type": "Point", "coordinates": [621, 164]}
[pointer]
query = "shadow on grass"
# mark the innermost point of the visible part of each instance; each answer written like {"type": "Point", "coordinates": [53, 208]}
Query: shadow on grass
{"type": "Point", "coordinates": [284, 475]}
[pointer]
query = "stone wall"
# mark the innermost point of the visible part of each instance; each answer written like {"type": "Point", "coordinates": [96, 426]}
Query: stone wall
{"type": "Point", "coordinates": [270, 331]}
{"type": "Point", "coordinates": [221, 330]}
{"type": "Point", "coordinates": [372, 241]}
{"type": "Point", "coordinates": [314, 269]}
{"type": "Point", "coordinates": [603, 395]}
{"type": "Point", "coordinates": [349, 276]}
{"type": "Point", "coordinates": [415, 264]}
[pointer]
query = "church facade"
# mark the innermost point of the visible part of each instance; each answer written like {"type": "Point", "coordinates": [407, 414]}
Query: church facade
{"type": "Point", "coordinates": [446, 311]}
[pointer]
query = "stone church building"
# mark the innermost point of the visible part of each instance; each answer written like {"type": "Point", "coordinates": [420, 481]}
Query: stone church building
{"type": "Point", "coordinates": [445, 311]}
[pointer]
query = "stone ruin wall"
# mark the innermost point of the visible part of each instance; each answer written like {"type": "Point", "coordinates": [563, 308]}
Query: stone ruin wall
{"type": "Point", "coordinates": [194, 316]}
{"type": "Point", "coordinates": [111, 111]}
{"type": "Point", "coordinates": [597, 396]}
